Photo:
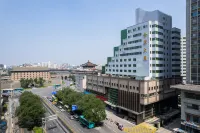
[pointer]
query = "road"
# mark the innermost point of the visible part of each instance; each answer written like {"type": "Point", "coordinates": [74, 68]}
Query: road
{"type": "Point", "coordinates": [54, 126]}
{"type": "Point", "coordinates": [76, 126]}
{"type": "Point", "coordinates": [73, 123]}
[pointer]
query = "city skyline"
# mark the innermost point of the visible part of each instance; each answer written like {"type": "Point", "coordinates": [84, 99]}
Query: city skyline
{"type": "Point", "coordinates": [62, 30]}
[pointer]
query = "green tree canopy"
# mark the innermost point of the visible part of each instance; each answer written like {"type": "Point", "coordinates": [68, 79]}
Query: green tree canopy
{"type": "Point", "coordinates": [30, 111]}
{"type": "Point", "coordinates": [25, 83]}
{"type": "Point", "coordinates": [92, 107]}
{"type": "Point", "coordinates": [72, 98]}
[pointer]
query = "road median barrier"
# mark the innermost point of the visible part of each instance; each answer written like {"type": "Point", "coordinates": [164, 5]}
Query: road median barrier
{"type": "Point", "coordinates": [59, 118]}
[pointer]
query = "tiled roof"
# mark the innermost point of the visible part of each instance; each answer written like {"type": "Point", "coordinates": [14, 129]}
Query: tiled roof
{"type": "Point", "coordinates": [22, 69]}
{"type": "Point", "coordinates": [88, 64]}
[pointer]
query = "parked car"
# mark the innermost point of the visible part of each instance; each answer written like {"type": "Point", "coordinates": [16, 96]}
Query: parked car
{"type": "Point", "coordinates": [71, 117]}
{"type": "Point", "coordinates": [62, 110]}
{"type": "Point", "coordinates": [76, 116]}
{"type": "Point", "coordinates": [59, 107]}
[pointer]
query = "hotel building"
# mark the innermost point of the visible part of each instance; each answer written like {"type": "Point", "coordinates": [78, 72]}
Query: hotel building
{"type": "Point", "coordinates": [145, 64]}
{"type": "Point", "coordinates": [149, 49]}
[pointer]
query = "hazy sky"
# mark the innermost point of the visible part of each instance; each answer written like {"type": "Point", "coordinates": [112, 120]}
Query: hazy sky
{"type": "Point", "coordinates": [71, 31]}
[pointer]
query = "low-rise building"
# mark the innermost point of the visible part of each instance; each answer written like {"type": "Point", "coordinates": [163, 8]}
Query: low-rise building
{"type": "Point", "coordinates": [80, 81]}
{"type": "Point", "coordinates": [138, 99]}
{"type": "Point", "coordinates": [190, 107]}
{"type": "Point", "coordinates": [18, 73]}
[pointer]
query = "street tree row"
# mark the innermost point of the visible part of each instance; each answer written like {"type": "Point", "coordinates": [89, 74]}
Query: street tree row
{"type": "Point", "coordinates": [91, 107]}
{"type": "Point", "coordinates": [27, 83]}
{"type": "Point", "coordinates": [30, 111]}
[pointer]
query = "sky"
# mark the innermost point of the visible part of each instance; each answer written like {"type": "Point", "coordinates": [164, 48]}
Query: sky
{"type": "Point", "coordinates": [71, 31]}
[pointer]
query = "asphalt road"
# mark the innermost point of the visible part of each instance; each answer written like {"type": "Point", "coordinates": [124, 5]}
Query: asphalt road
{"type": "Point", "coordinates": [73, 123]}
{"type": "Point", "coordinates": [53, 126]}
{"type": "Point", "coordinates": [76, 126]}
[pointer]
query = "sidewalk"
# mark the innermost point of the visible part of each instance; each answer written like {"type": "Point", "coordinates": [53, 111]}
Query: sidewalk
{"type": "Point", "coordinates": [114, 118]}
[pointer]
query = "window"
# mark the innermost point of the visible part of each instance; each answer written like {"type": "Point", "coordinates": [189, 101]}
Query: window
{"type": "Point", "coordinates": [127, 54]}
{"type": "Point", "coordinates": [134, 71]}
{"type": "Point", "coordinates": [124, 59]}
{"type": "Point", "coordinates": [129, 65]}
{"type": "Point", "coordinates": [135, 47]}
{"type": "Point", "coordinates": [125, 70]}
{"type": "Point", "coordinates": [134, 65]}
{"type": "Point", "coordinates": [135, 41]}
{"type": "Point", "coordinates": [120, 60]}
{"type": "Point", "coordinates": [129, 59]}
{"type": "Point", "coordinates": [134, 59]}
{"type": "Point", "coordinates": [196, 107]}
{"type": "Point", "coordinates": [129, 70]}
{"type": "Point", "coordinates": [196, 119]}
{"type": "Point", "coordinates": [136, 35]}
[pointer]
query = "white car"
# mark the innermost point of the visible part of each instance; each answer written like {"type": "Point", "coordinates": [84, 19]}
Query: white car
{"type": "Point", "coordinates": [59, 107]}
{"type": "Point", "coordinates": [71, 117]}
{"type": "Point", "coordinates": [62, 110]}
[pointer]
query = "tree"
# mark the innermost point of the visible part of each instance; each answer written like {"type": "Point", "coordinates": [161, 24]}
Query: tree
{"type": "Point", "coordinates": [36, 81]}
{"type": "Point", "coordinates": [30, 111]}
{"type": "Point", "coordinates": [24, 83]}
{"type": "Point", "coordinates": [38, 130]}
{"type": "Point", "coordinates": [41, 82]}
{"type": "Point", "coordinates": [93, 108]}
{"type": "Point", "coordinates": [63, 93]}
{"type": "Point", "coordinates": [72, 98]}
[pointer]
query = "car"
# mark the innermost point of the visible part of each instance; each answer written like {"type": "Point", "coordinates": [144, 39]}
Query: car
{"type": "Point", "coordinates": [75, 116]}
{"type": "Point", "coordinates": [71, 113]}
{"type": "Point", "coordinates": [59, 107]}
{"type": "Point", "coordinates": [62, 110]}
{"type": "Point", "coordinates": [71, 117]}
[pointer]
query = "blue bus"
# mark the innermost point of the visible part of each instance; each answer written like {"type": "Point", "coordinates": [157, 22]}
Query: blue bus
{"type": "Point", "coordinates": [86, 123]}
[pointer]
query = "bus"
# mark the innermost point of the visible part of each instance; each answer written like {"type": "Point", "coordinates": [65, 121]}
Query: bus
{"type": "Point", "coordinates": [19, 89]}
{"type": "Point", "coordinates": [86, 123]}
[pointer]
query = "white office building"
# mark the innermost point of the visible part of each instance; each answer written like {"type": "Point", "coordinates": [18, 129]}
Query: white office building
{"type": "Point", "coordinates": [183, 58]}
{"type": "Point", "coordinates": [149, 49]}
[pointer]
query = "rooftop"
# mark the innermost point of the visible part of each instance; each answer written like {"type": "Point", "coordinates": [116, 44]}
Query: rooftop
{"type": "Point", "coordinates": [24, 69]}
{"type": "Point", "coordinates": [88, 64]}
{"type": "Point", "coordinates": [187, 87]}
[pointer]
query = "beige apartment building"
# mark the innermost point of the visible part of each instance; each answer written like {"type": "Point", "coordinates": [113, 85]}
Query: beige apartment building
{"type": "Point", "coordinates": [30, 72]}
{"type": "Point", "coordinates": [138, 99]}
